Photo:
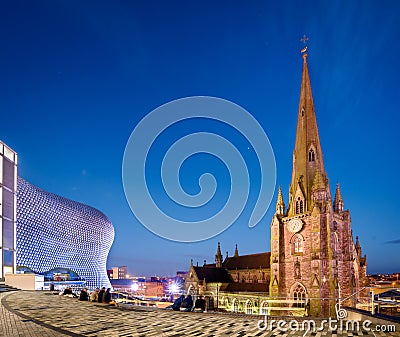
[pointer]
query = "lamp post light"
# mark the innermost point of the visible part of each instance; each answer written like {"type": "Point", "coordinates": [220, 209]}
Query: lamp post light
{"type": "Point", "coordinates": [217, 296]}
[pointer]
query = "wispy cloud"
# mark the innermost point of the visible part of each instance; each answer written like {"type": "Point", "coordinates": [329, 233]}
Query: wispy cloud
{"type": "Point", "coordinates": [396, 242]}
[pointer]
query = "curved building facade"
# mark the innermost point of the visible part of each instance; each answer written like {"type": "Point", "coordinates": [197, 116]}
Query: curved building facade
{"type": "Point", "coordinates": [55, 232]}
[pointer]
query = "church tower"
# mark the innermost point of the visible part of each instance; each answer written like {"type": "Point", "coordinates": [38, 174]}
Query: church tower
{"type": "Point", "coordinates": [218, 257]}
{"type": "Point", "coordinates": [313, 256]}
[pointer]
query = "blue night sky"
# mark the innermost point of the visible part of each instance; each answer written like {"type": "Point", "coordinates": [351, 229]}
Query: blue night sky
{"type": "Point", "coordinates": [77, 77]}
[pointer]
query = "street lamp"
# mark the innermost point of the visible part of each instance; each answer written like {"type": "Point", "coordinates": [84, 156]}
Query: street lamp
{"type": "Point", "coordinates": [218, 285]}
{"type": "Point", "coordinates": [135, 287]}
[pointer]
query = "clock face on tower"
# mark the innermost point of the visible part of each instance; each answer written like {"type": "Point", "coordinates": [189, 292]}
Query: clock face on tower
{"type": "Point", "coordinates": [295, 225]}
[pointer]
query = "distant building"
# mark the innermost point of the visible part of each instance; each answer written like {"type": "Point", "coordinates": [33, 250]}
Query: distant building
{"type": "Point", "coordinates": [181, 274]}
{"type": "Point", "coordinates": [8, 215]}
{"type": "Point", "coordinates": [388, 302]}
{"type": "Point", "coordinates": [154, 287]}
{"type": "Point", "coordinates": [118, 272]}
{"type": "Point", "coordinates": [314, 260]}
{"type": "Point", "coordinates": [122, 284]}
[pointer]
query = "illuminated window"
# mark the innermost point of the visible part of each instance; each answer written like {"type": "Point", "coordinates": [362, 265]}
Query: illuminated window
{"type": "Point", "coordinates": [249, 307]}
{"type": "Point", "coordinates": [299, 296]}
{"type": "Point", "coordinates": [297, 243]}
{"type": "Point", "coordinates": [264, 308]}
{"type": "Point", "coordinates": [235, 305]}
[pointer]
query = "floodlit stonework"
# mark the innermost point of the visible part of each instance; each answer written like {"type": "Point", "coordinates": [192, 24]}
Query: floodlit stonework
{"type": "Point", "coordinates": [313, 255]}
{"type": "Point", "coordinates": [314, 260]}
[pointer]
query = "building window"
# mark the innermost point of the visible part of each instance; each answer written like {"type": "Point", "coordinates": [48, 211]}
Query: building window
{"type": "Point", "coordinates": [299, 205]}
{"type": "Point", "coordinates": [227, 304]}
{"type": "Point", "coordinates": [311, 155]}
{"type": "Point", "coordinates": [335, 246]}
{"type": "Point", "coordinates": [210, 303]}
{"type": "Point", "coordinates": [249, 307]}
{"type": "Point", "coordinates": [297, 243]}
{"type": "Point", "coordinates": [299, 296]}
{"type": "Point", "coordinates": [235, 305]}
{"type": "Point", "coordinates": [264, 308]}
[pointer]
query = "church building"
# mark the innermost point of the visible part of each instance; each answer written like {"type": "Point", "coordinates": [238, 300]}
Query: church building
{"type": "Point", "coordinates": [314, 261]}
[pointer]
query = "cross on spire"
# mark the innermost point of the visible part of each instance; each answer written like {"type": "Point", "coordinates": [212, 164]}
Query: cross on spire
{"type": "Point", "coordinates": [304, 39]}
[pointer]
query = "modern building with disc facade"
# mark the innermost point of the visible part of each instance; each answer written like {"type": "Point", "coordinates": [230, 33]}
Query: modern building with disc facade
{"type": "Point", "coordinates": [55, 235]}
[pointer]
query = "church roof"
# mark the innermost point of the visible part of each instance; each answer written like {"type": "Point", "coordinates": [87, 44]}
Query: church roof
{"type": "Point", "coordinates": [392, 294]}
{"type": "Point", "coordinates": [246, 287]}
{"type": "Point", "coordinates": [251, 261]}
{"type": "Point", "coordinates": [212, 274]}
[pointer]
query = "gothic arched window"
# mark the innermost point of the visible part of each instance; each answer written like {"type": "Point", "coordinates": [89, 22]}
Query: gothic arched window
{"type": "Point", "coordinates": [264, 308]}
{"type": "Point", "coordinates": [335, 244]}
{"type": "Point", "coordinates": [297, 244]}
{"type": "Point", "coordinates": [299, 205]}
{"type": "Point", "coordinates": [235, 305]}
{"type": "Point", "coordinates": [299, 296]}
{"type": "Point", "coordinates": [249, 307]}
{"type": "Point", "coordinates": [311, 155]}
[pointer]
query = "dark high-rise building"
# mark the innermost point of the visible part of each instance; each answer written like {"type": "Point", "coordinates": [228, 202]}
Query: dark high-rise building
{"type": "Point", "coordinates": [8, 185]}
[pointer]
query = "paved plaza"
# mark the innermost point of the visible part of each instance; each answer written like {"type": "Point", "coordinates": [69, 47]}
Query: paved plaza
{"type": "Point", "coordinates": [25, 313]}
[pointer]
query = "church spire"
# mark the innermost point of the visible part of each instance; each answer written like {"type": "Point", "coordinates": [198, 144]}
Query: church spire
{"type": "Point", "coordinates": [358, 247]}
{"type": "Point", "coordinates": [280, 204]}
{"type": "Point", "coordinates": [307, 154]}
{"type": "Point", "coordinates": [338, 204]}
{"type": "Point", "coordinates": [218, 257]}
{"type": "Point", "coordinates": [236, 251]}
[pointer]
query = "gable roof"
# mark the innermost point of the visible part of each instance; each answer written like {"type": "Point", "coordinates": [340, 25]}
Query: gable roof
{"type": "Point", "coordinates": [251, 261]}
{"type": "Point", "coordinates": [246, 287]}
{"type": "Point", "coordinates": [393, 294]}
{"type": "Point", "coordinates": [213, 274]}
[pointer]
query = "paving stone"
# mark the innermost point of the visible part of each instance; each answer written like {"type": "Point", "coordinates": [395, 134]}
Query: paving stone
{"type": "Point", "coordinates": [31, 314]}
